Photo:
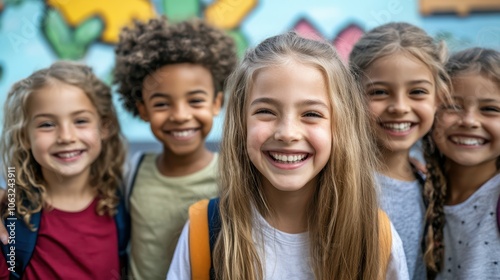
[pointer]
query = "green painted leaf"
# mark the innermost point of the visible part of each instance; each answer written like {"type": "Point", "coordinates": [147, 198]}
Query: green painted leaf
{"type": "Point", "coordinates": [67, 42]}
{"type": "Point", "coordinates": [178, 10]}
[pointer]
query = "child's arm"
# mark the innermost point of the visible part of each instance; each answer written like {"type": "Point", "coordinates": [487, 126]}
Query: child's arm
{"type": "Point", "coordinates": [397, 268]}
{"type": "Point", "coordinates": [180, 267]}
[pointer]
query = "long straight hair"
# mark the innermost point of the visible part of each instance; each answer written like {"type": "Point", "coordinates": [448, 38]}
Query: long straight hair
{"type": "Point", "coordinates": [342, 216]}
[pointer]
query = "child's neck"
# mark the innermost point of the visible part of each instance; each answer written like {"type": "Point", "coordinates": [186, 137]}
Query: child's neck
{"type": "Point", "coordinates": [289, 209]}
{"type": "Point", "coordinates": [172, 165]}
{"type": "Point", "coordinates": [70, 194]}
{"type": "Point", "coordinates": [463, 181]}
{"type": "Point", "coordinates": [396, 165]}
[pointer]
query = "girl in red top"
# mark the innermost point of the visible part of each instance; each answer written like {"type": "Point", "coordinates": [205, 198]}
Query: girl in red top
{"type": "Point", "coordinates": [61, 136]}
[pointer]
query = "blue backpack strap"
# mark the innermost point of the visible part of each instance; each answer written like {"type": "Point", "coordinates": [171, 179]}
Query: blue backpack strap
{"type": "Point", "coordinates": [214, 226]}
{"type": "Point", "coordinates": [122, 221]}
{"type": "Point", "coordinates": [24, 245]}
{"type": "Point", "coordinates": [134, 164]}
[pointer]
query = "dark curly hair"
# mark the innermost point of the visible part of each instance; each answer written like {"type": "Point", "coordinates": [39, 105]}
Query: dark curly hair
{"type": "Point", "coordinates": [148, 46]}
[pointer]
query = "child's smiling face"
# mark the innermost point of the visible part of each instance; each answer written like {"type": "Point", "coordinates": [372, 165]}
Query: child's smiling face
{"type": "Point", "coordinates": [402, 98]}
{"type": "Point", "coordinates": [289, 126]}
{"type": "Point", "coordinates": [64, 130]}
{"type": "Point", "coordinates": [468, 131]}
{"type": "Point", "coordinates": [180, 102]}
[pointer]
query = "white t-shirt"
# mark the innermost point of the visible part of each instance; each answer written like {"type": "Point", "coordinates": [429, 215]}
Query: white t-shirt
{"type": "Point", "coordinates": [472, 237]}
{"type": "Point", "coordinates": [286, 255]}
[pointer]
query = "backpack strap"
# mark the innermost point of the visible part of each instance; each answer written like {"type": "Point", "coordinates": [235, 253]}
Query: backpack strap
{"type": "Point", "coordinates": [24, 243]}
{"type": "Point", "coordinates": [204, 227]}
{"type": "Point", "coordinates": [385, 241]}
{"type": "Point", "coordinates": [122, 221]}
{"type": "Point", "coordinates": [199, 248]}
{"type": "Point", "coordinates": [134, 164]}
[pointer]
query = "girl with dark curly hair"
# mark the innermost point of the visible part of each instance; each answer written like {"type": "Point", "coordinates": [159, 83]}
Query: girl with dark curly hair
{"type": "Point", "coordinates": [61, 136]}
{"type": "Point", "coordinates": [171, 76]}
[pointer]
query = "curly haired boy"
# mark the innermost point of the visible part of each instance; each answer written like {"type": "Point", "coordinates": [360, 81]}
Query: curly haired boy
{"type": "Point", "coordinates": [172, 76]}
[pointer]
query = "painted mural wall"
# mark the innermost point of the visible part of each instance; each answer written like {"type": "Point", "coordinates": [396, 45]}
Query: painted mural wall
{"type": "Point", "coordinates": [35, 33]}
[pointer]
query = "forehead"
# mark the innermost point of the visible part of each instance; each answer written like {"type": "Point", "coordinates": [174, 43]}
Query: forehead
{"type": "Point", "coordinates": [398, 67]}
{"type": "Point", "coordinates": [475, 85]}
{"type": "Point", "coordinates": [290, 81]}
{"type": "Point", "coordinates": [58, 98]}
{"type": "Point", "coordinates": [177, 76]}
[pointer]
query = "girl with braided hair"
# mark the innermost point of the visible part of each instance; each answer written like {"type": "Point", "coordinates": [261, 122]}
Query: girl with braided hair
{"type": "Point", "coordinates": [401, 69]}
{"type": "Point", "coordinates": [463, 183]}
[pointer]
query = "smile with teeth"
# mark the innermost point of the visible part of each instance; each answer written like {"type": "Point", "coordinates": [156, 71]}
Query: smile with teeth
{"type": "Point", "coordinates": [183, 133]}
{"type": "Point", "coordinates": [468, 141]}
{"type": "Point", "coordinates": [68, 154]}
{"type": "Point", "coordinates": [399, 127]}
{"type": "Point", "coordinates": [288, 158]}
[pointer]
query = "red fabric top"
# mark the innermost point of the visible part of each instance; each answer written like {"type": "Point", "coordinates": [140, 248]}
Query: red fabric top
{"type": "Point", "coordinates": [73, 245]}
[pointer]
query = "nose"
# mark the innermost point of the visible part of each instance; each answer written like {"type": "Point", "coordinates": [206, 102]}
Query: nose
{"type": "Point", "coordinates": [399, 105]}
{"type": "Point", "coordinates": [66, 134]}
{"type": "Point", "coordinates": [469, 119]}
{"type": "Point", "coordinates": [288, 131]}
{"type": "Point", "coordinates": [180, 114]}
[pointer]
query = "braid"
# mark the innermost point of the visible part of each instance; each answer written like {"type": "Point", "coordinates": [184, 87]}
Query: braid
{"type": "Point", "coordinates": [434, 196]}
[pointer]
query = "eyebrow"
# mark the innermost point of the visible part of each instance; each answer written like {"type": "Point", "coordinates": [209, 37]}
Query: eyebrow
{"type": "Point", "coordinates": [487, 100]}
{"type": "Point", "coordinates": [274, 102]}
{"type": "Point", "coordinates": [164, 95]}
{"type": "Point", "coordinates": [384, 83]}
{"type": "Point", "coordinates": [45, 115]}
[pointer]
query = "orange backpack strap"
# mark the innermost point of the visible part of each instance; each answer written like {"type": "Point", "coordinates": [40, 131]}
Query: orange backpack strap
{"type": "Point", "coordinates": [199, 245]}
{"type": "Point", "coordinates": [385, 239]}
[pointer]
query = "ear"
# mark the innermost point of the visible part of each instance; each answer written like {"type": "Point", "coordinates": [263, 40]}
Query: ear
{"type": "Point", "coordinates": [217, 103]}
{"type": "Point", "coordinates": [143, 111]}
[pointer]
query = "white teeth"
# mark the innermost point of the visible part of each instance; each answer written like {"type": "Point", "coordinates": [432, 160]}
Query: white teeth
{"type": "Point", "coordinates": [68, 155]}
{"type": "Point", "coordinates": [184, 133]}
{"type": "Point", "coordinates": [469, 141]}
{"type": "Point", "coordinates": [288, 158]}
{"type": "Point", "coordinates": [397, 126]}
